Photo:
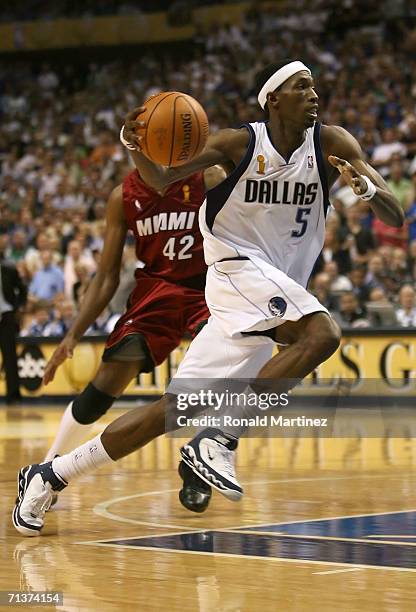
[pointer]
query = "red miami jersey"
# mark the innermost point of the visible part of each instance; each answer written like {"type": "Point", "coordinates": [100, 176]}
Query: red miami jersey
{"type": "Point", "coordinates": [168, 240]}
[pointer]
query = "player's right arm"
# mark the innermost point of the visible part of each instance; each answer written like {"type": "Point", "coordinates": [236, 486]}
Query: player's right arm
{"type": "Point", "coordinates": [225, 146]}
{"type": "Point", "coordinates": [102, 286]}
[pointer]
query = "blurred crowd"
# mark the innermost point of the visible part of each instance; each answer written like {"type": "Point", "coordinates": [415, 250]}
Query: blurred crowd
{"type": "Point", "coordinates": [60, 156]}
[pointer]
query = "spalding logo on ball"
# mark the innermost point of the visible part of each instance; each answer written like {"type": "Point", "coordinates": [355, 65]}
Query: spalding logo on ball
{"type": "Point", "coordinates": [176, 128]}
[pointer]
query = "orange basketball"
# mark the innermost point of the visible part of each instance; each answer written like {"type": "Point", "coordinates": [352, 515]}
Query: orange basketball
{"type": "Point", "coordinates": [176, 128]}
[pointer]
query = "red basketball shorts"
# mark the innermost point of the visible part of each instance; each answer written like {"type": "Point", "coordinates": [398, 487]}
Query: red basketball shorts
{"type": "Point", "coordinates": [162, 312]}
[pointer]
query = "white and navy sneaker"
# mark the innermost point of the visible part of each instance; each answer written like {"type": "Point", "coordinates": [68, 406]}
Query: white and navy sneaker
{"type": "Point", "coordinates": [35, 485]}
{"type": "Point", "coordinates": [195, 494]}
{"type": "Point", "coordinates": [211, 455]}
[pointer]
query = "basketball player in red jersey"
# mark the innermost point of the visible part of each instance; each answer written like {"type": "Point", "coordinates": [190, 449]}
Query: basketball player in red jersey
{"type": "Point", "coordinates": [168, 301]}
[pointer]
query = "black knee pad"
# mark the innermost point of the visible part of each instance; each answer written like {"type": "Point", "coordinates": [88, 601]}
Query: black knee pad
{"type": "Point", "coordinates": [90, 405]}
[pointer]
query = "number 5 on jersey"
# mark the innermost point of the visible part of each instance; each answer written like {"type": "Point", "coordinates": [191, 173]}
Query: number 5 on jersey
{"type": "Point", "coordinates": [172, 247]}
{"type": "Point", "coordinates": [301, 213]}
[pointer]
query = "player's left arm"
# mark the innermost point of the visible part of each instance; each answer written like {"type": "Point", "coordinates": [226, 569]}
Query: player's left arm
{"type": "Point", "coordinates": [345, 154]}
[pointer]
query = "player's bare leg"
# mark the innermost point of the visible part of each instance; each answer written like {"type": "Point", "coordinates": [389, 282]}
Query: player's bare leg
{"type": "Point", "coordinates": [37, 483]}
{"type": "Point", "coordinates": [311, 340]}
{"type": "Point", "coordinates": [89, 406]}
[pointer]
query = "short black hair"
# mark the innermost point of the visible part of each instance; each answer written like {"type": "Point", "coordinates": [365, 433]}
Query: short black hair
{"type": "Point", "coordinates": [264, 75]}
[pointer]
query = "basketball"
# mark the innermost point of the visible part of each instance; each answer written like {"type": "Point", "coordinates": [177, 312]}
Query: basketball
{"type": "Point", "coordinates": [176, 128]}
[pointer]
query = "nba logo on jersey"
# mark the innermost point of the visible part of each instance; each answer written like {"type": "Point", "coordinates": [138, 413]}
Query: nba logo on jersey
{"type": "Point", "coordinates": [277, 306]}
{"type": "Point", "coordinates": [310, 161]}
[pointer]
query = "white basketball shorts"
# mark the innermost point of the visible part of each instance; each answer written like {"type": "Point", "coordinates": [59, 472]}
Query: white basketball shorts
{"type": "Point", "coordinates": [242, 295]}
{"type": "Point", "coordinates": [252, 295]}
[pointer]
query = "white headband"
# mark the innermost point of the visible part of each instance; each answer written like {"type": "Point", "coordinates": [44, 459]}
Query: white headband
{"type": "Point", "coordinates": [279, 77]}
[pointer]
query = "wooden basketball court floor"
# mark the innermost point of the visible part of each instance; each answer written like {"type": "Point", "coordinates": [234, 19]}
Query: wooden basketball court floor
{"type": "Point", "coordinates": [326, 525]}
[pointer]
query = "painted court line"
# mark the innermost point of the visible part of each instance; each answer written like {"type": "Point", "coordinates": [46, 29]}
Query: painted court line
{"type": "Point", "coordinates": [324, 518]}
{"type": "Point", "coordinates": [153, 549]}
{"type": "Point", "coordinates": [141, 537]}
{"type": "Point", "coordinates": [340, 571]}
{"type": "Point", "coordinates": [101, 509]}
{"type": "Point", "coordinates": [388, 535]}
{"type": "Point", "coordinates": [302, 536]}
{"type": "Point", "coordinates": [273, 534]}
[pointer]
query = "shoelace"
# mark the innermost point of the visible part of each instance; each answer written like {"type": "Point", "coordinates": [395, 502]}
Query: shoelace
{"type": "Point", "coordinates": [40, 503]}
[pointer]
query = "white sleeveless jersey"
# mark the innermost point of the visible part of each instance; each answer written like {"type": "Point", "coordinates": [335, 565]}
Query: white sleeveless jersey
{"type": "Point", "coordinates": [268, 208]}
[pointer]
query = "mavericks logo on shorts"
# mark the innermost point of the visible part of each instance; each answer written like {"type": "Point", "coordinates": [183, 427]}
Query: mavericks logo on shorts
{"type": "Point", "coordinates": [277, 306]}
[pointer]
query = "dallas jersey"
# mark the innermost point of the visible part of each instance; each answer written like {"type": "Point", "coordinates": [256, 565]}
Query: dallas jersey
{"type": "Point", "coordinates": [263, 230]}
{"type": "Point", "coordinates": [269, 208]}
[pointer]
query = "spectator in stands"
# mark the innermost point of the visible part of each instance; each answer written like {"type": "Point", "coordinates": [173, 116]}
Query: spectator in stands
{"type": "Point", "coordinates": [389, 150]}
{"type": "Point", "coordinates": [75, 256]}
{"type": "Point", "coordinates": [399, 185]}
{"type": "Point", "coordinates": [338, 282]}
{"type": "Point", "coordinates": [360, 287]}
{"type": "Point", "coordinates": [38, 322]}
{"type": "Point", "coordinates": [12, 300]}
{"type": "Point", "coordinates": [64, 198]}
{"type": "Point", "coordinates": [361, 239]}
{"type": "Point", "coordinates": [350, 314]}
{"type": "Point", "coordinates": [48, 280]}
{"type": "Point", "coordinates": [18, 247]}
{"type": "Point", "coordinates": [390, 236]}
{"type": "Point", "coordinates": [60, 325]}
{"type": "Point", "coordinates": [398, 266]}
{"type": "Point", "coordinates": [58, 167]}
{"type": "Point", "coordinates": [336, 251]}
{"type": "Point", "coordinates": [321, 288]}
{"type": "Point", "coordinates": [83, 280]}
{"type": "Point", "coordinates": [380, 311]}
{"type": "Point", "coordinates": [411, 260]}
{"type": "Point", "coordinates": [406, 313]}
{"type": "Point", "coordinates": [33, 254]}
{"type": "Point", "coordinates": [378, 296]}
{"type": "Point", "coordinates": [411, 211]}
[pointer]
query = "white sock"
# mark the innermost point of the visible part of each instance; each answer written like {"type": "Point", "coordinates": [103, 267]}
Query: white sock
{"type": "Point", "coordinates": [86, 458]}
{"type": "Point", "coordinates": [70, 434]}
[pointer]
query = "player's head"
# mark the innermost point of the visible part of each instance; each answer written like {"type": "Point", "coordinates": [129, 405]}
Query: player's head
{"type": "Point", "coordinates": [287, 89]}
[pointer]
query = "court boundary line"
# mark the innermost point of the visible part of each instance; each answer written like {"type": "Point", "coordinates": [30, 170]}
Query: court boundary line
{"type": "Point", "coordinates": [328, 518]}
{"type": "Point", "coordinates": [235, 556]}
{"type": "Point", "coordinates": [340, 571]}
{"type": "Point", "coordinates": [248, 532]}
{"type": "Point", "coordinates": [295, 536]}
{"type": "Point", "coordinates": [141, 537]}
{"type": "Point", "coordinates": [101, 509]}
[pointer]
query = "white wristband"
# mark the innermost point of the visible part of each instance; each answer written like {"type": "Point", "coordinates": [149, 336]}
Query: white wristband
{"type": "Point", "coordinates": [371, 189]}
{"type": "Point", "coordinates": [124, 142]}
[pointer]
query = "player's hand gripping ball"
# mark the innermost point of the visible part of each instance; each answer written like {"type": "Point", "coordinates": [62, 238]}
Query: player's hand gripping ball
{"type": "Point", "coordinates": [170, 129]}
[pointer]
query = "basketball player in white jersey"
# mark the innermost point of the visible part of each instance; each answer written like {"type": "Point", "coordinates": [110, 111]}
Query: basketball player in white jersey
{"type": "Point", "coordinates": [263, 229]}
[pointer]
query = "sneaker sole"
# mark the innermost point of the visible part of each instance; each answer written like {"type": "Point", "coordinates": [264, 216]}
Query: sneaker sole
{"type": "Point", "coordinates": [189, 457]}
{"type": "Point", "coordinates": [198, 509]}
{"type": "Point", "coordinates": [191, 506]}
{"type": "Point", "coordinates": [27, 531]}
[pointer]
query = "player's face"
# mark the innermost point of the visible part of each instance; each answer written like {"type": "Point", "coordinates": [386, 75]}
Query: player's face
{"type": "Point", "coordinates": [298, 100]}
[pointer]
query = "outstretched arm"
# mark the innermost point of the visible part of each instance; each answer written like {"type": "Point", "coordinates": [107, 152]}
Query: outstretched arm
{"type": "Point", "coordinates": [345, 154]}
{"type": "Point", "coordinates": [224, 146]}
{"type": "Point", "coordinates": [102, 286]}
